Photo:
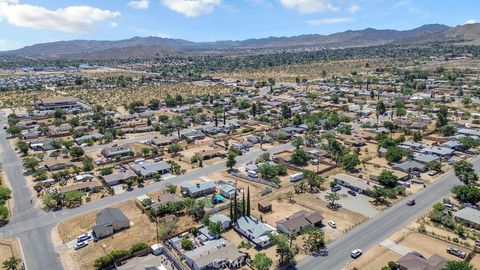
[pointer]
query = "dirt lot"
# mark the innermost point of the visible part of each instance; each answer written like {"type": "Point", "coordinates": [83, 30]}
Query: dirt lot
{"type": "Point", "coordinates": [428, 245]}
{"type": "Point", "coordinates": [9, 245]}
{"type": "Point", "coordinates": [475, 262]}
{"type": "Point", "coordinates": [141, 230]}
{"type": "Point", "coordinates": [374, 259]}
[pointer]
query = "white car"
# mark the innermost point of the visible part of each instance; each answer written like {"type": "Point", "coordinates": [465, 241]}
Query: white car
{"type": "Point", "coordinates": [432, 173]}
{"type": "Point", "coordinates": [83, 237]}
{"type": "Point", "coordinates": [356, 253]}
{"type": "Point", "coordinates": [332, 224]}
{"type": "Point", "coordinates": [80, 245]}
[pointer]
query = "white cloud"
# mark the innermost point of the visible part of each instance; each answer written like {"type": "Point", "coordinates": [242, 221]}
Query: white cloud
{"type": "Point", "coordinates": [354, 8]}
{"type": "Point", "coordinates": [328, 21]}
{"type": "Point", "coordinates": [72, 19]}
{"type": "Point", "coordinates": [471, 21]}
{"type": "Point", "coordinates": [310, 6]}
{"type": "Point", "coordinates": [262, 3]}
{"type": "Point", "coordinates": [139, 4]}
{"type": "Point", "coordinates": [192, 8]}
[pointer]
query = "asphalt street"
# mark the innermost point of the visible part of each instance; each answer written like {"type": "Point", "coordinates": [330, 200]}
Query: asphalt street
{"type": "Point", "coordinates": [381, 226]}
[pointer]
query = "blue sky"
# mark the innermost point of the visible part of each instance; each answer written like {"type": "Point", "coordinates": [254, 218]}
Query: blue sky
{"type": "Point", "coordinates": [26, 22]}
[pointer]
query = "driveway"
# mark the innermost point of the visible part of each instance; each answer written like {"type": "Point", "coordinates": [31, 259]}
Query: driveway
{"type": "Point", "coordinates": [359, 203]}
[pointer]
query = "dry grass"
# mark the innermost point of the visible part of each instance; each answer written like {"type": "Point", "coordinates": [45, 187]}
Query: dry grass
{"type": "Point", "coordinates": [10, 247]}
{"type": "Point", "coordinates": [374, 259]}
{"type": "Point", "coordinates": [141, 230]}
{"type": "Point", "coordinates": [312, 71]}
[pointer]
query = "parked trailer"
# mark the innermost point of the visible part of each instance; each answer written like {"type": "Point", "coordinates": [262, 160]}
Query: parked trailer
{"type": "Point", "coordinates": [296, 177]}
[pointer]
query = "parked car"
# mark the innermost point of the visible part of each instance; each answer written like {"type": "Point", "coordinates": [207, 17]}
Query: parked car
{"type": "Point", "coordinates": [314, 161]}
{"type": "Point", "coordinates": [432, 173]}
{"type": "Point", "coordinates": [253, 174]}
{"type": "Point", "coordinates": [351, 192]}
{"type": "Point", "coordinates": [456, 252]}
{"type": "Point", "coordinates": [336, 188]}
{"type": "Point", "coordinates": [356, 253]}
{"type": "Point", "coordinates": [332, 224]}
{"type": "Point", "coordinates": [80, 245]}
{"type": "Point", "coordinates": [83, 237]}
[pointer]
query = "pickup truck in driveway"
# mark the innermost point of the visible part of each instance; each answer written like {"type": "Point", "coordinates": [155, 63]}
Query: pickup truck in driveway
{"type": "Point", "coordinates": [456, 252]}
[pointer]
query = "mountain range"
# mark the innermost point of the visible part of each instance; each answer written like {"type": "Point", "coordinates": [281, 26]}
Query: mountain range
{"type": "Point", "coordinates": [150, 46]}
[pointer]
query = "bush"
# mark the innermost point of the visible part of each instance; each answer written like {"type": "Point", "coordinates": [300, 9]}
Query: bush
{"type": "Point", "coordinates": [138, 247]}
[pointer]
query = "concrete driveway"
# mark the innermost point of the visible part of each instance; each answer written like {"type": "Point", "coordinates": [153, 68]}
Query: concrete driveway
{"type": "Point", "coordinates": [359, 203]}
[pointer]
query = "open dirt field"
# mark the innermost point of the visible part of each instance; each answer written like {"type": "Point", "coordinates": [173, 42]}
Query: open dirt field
{"type": "Point", "coordinates": [374, 259]}
{"type": "Point", "coordinates": [10, 247]}
{"type": "Point", "coordinates": [428, 245]}
{"type": "Point", "coordinates": [141, 230]}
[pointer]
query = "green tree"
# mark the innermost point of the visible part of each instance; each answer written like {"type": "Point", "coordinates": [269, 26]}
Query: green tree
{"type": "Point", "coordinates": [3, 212]}
{"type": "Point", "coordinates": [284, 250]}
{"type": "Point", "coordinates": [30, 163]}
{"type": "Point", "coordinates": [314, 238]}
{"type": "Point", "coordinates": [465, 172]}
{"type": "Point", "coordinates": [387, 178]}
{"type": "Point", "coordinates": [14, 130]}
{"type": "Point", "coordinates": [171, 188]}
{"type": "Point", "coordinates": [332, 198]}
{"type": "Point", "coordinates": [87, 163]}
{"type": "Point", "coordinates": [467, 193]}
{"type": "Point", "coordinates": [261, 261]}
{"type": "Point", "coordinates": [23, 147]}
{"type": "Point", "coordinates": [174, 148]}
{"type": "Point", "coordinates": [12, 263]}
{"type": "Point", "coordinates": [313, 180]}
{"type": "Point", "coordinates": [442, 117]}
{"type": "Point", "coordinates": [468, 142]}
{"type": "Point", "coordinates": [77, 152]}
{"type": "Point", "coordinates": [106, 171]}
{"type": "Point", "coordinates": [297, 142]}
{"type": "Point", "coordinates": [231, 160]}
{"type": "Point", "coordinates": [215, 228]}
{"type": "Point", "coordinates": [349, 162]}
{"type": "Point", "coordinates": [394, 154]}
{"type": "Point", "coordinates": [417, 136]}
{"type": "Point", "coordinates": [458, 265]}
{"type": "Point", "coordinates": [435, 165]}
{"type": "Point", "coordinates": [300, 157]}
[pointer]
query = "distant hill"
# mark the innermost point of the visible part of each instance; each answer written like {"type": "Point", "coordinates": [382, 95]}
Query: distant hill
{"type": "Point", "coordinates": [149, 46]}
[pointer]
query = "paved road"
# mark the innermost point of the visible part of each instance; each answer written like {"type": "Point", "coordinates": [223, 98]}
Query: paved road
{"type": "Point", "coordinates": [381, 226]}
{"type": "Point", "coordinates": [33, 242]}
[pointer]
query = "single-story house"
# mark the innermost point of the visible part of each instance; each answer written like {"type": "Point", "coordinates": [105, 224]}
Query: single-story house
{"type": "Point", "coordinates": [196, 190]}
{"type": "Point", "coordinates": [115, 151]}
{"type": "Point", "coordinates": [108, 221]}
{"type": "Point", "coordinates": [299, 221]}
{"type": "Point", "coordinates": [84, 138]}
{"type": "Point", "coordinates": [228, 191]}
{"type": "Point", "coordinates": [83, 187]}
{"type": "Point", "coordinates": [412, 261]}
{"type": "Point", "coordinates": [118, 178]}
{"type": "Point", "coordinates": [469, 216]}
{"type": "Point", "coordinates": [410, 166]}
{"type": "Point", "coordinates": [149, 170]}
{"type": "Point", "coordinates": [438, 151]}
{"type": "Point", "coordinates": [214, 254]}
{"type": "Point", "coordinates": [424, 158]}
{"type": "Point", "coordinates": [254, 230]}
{"type": "Point", "coordinates": [354, 183]}
{"type": "Point", "coordinates": [209, 154]}
{"type": "Point", "coordinates": [224, 220]}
